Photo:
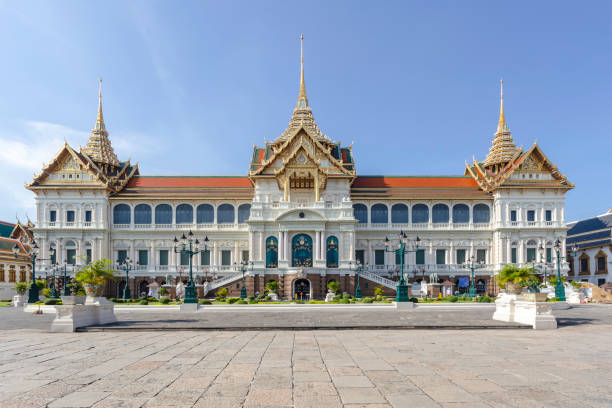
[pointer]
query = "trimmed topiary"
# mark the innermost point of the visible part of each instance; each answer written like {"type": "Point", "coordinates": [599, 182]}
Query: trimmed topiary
{"type": "Point", "coordinates": [452, 298]}
{"type": "Point", "coordinates": [143, 302]}
{"type": "Point", "coordinates": [164, 301]}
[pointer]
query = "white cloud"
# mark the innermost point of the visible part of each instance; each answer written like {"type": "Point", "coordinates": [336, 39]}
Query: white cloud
{"type": "Point", "coordinates": [23, 151]}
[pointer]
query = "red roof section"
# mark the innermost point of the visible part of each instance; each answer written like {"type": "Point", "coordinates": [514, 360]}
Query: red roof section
{"type": "Point", "coordinates": [412, 182]}
{"type": "Point", "coordinates": [182, 182]}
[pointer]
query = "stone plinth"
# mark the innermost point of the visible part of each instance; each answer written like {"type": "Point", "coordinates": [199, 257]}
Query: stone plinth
{"type": "Point", "coordinates": [20, 300]}
{"type": "Point", "coordinates": [330, 296]}
{"type": "Point", "coordinates": [69, 317]}
{"type": "Point", "coordinates": [576, 298]}
{"type": "Point", "coordinates": [189, 307]}
{"type": "Point", "coordinates": [404, 305]}
{"type": "Point", "coordinates": [509, 308]}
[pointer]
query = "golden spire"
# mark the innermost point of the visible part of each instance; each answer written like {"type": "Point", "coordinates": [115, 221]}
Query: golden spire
{"type": "Point", "coordinates": [302, 99]}
{"type": "Point", "coordinates": [98, 147]}
{"type": "Point", "coordinates": [501, 125]}
{"type": "Point", "coordinates": [503, 147]}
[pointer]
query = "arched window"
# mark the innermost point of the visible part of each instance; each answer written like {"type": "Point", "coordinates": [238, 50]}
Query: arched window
{"type": "Point", "coordinates": [332, 252]}
{"type": "Point", "coordinates": [184, 214]}
{"type": "Point", "coordinates": [271, 252]}
{"type": "Point", "coordinates": [121, 214]}
{"type": "Point", "coordinates": [142, 214]}
{"type": "Point", "coordinates": [244, 212]}
{"type": "Point", "coordinates": [360, 212]}
{"type": "Point", "coordinates": [481, 213]}
{"type": "Point", "coordinates": [225, 214]}
{"type": "Point", "coordinates": [301, 250]}
{"type": "Point", "coordinates": [440, 213]}
{"type": "Point", "coordinates": [399, 213]}
{"type": "Point", "coordinates": [461, 213]}
{"type": "Point", "coordinates": [420, 213]}
{"type": "Point", "coordinates": [163, 214]}
{"type": "Point", "coordinates": [205, 214]}
{"type": "Point", "coordinates": [380, 214]}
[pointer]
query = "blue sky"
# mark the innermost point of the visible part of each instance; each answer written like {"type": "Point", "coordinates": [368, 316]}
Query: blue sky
{"type": "Point", "coordinates": [190, 86]}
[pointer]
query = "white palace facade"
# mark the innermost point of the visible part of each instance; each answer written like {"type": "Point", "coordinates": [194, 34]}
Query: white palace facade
{"type": "Point", "coordinates": [302, 215]}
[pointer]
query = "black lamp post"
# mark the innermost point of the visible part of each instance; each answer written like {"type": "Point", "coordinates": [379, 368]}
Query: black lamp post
{"type": "Point", "coordinates": [559, 288]}
{"type": "Point", "coordinates": [243, 268]}
{"type": "Point", "coordinates": [65, 290]}
{"type": "Point", "coordinates": [402, 288]}
{"type": "Point", "coordinates": [127, 264]}
{"type": "Point", "coordinates": [473, 265]}
{"type": "Point", "coordinates": [33, 294]}
{"type": "Point", "coordinates": [358, 269]}
{"type": "Point", "coordinates": [190, 247]}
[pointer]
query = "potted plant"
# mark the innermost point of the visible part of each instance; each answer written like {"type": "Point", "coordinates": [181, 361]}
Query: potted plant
{"type": "Point", "coordinates": [272, 288]}
{"type": "Point", "coordinates": [162, 291]}
{"type": "Point", "coordinates": [77, 294]}
{"type": "Point", "coordinates": [21, 298]}
{"type": "Point", "coordinates": [94, 276]}
{"type": "Point", "coordinates": [514, 279]}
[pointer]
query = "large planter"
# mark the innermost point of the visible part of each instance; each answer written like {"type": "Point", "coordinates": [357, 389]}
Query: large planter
{"type": "Point", "coordinates": [513, 288]}
{"type": "Point", "coordinates": [73, 300]}
{"type": "Point", "coordinates": [20, 300]}
{"type": "Point", "coordinates": [93, 290]}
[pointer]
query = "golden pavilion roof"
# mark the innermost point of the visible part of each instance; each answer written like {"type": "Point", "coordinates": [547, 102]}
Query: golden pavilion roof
{"type": "Point", "coordinates": [98, 147]}
{"type": "Point", "coordinates": [503, 148]}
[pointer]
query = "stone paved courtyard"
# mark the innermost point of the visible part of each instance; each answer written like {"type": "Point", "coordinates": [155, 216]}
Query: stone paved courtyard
{"type": "Point", "coordinates": [568, 367]}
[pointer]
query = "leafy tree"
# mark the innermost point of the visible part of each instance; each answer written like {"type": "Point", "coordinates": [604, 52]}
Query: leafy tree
{"type": "Point", "coordinates": [162, 291]}
{"type": "Point", "coordinates": [523, 277]}
{"type": "Point", "coordinates": [21, 288]}
{"type": "Point", "coordinates": [272, 286]}
{"type": "Point", "coordinates": [222, 293]}
{"type": "Point", "coordinates": [379, 291]}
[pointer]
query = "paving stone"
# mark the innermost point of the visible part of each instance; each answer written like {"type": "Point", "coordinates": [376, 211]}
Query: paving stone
{"type": "Point", "coordinates": [120, 403]}
{"type": "Point", "coordinates": [268, 398]}
{"type": "Point", "coordinates": [352, 381]}
{"type": "Point", "coordinates": [311, 376]}
{"type": "Point", "coordinates": [79, 399]}
{"type": "Point", "coordinates": [218, 402]}
{"type": "Point", "coordinates": [317, 401]}
{"type": "Point", "coordinates": [412, 400]}
{"type": "Point", "coordinates": [314, 389]}
{"type": "Point", "coordinates": [360, 396]}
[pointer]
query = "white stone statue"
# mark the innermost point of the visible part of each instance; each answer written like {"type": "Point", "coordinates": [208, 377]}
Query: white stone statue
{"type": "Point", "coordinates": [330, 296]}
{"type": "Point", "coordinates": [180, 290]}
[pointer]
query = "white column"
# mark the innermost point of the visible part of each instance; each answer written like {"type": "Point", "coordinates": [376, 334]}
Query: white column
{"type": "Point", "coordinates": [368, 255]}
{"type": "Point", "coordinates": [286, 245]}
{"type": "Point", "coordinates": [451, 253]}
{"type": "Point", "coordinates": [237, 258]}
{"type": "Point", "coordinates": [508, 256]}
{"type": "Point", "coordinates": [317, 252]}
{"type": "Point", "coordinates": [262, 250]}
{"type": "Point", "coordinates": [352, 246]}
{"type": "Point", "coordinates": [521, 250]}
{"type": "Point", "coordinates": [281, 252]}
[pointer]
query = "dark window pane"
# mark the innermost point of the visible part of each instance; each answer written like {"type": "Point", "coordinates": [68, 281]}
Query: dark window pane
{"type": "Point", "coordinates": [163, 257]}
{"type": "Point", "coordinates": [379, 257]}
{"type": "Point", "coordinates": [531, 254]}
{"type": "Point", "coordinates": [226, 257]}
{"type": "Point", "coordinates": [184, 214]}
{"type": "Point", "coordinates": [163, 214]}
{"type": "Point", "coordinates": [332, 252]}
{"type": "Point", "coordinates": [88, 256]}
{"type": "Point", "coordinates": [184, 258]}
{"type": "Point", "coordinates": [399, 214]}
{"type": "Point", "coordinates": [513, 215]}
{"type": "Point", "coordinates": [360, 256]}
{"type": "Point", "coordinates": [225, 214]}
{"type": "Point", "coordinates": [121, 214]}
{"type": "Point", "coordinates": [513, 255]}
{"type": "Point", "coordinates": [481, 255]}
{"type": "Point", "coordinates": [88, 216]}
{"type": "Point", "coordinates": [379, 214]}
{"type": "Point", "coordinates": [205, 257]}
{"type": "Point", "coordinates": [121, 256]}
{"type": "Point", "coordinates": [601, 264]}
{"type": "Point", "coordinates": [440, 213]}
{"type": "Point", "coordinates": [481, 213]}
{"type": "Point", "coordinates": [271, 252]}
{"type": "Point", "coordinates": [70, 216]}
{"type": "Point", "coordinates": [205, 214]}
{"type": "Point", "coordinates": [244, 212]}
{"type": "Point", "coordinates": [461, 256]}
{"type": "Point", "coordinates": [52, 216]}
{"type": "Point", "coordinates": [360, 212]}
{"type": "Point", "coordinates": [548, 215]}
{"type": "Point", "coordinates": [420, 257]}
{"type": "Point", "coordinates": [530, 215]}
{"type": "Point", "coordinates": [461, 213]}
{"type": "Point", "coordinates": [143, 257]}
{"type": "Point", "coordinates": [420, 213]}
{"type": "Point", "coordinates": [549, 255]}
{"type": "Point", "coordinates": [142, 214]}
{"type": "Point", "coordinates": [440, 256]}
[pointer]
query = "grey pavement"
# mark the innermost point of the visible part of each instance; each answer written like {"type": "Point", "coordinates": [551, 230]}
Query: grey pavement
{"type": "Point", "coordinates": [568, 367]}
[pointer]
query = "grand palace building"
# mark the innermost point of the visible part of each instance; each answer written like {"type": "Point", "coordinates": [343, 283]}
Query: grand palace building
{"type": "Point", "coordinates": [303, 215]}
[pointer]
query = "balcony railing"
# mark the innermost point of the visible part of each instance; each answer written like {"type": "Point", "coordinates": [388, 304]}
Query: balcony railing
{"type": "Point", "coordinates": [423, 226]}
{"type": "Point", "coordinates": [181, 227]}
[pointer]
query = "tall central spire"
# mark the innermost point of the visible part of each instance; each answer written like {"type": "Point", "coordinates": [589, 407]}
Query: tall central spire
{"type": "Point", "coordinates": [98, 147]}
{"type": "Point", "coordinates": [302, 99]}
{"type": "Point", "coordinates": [503, 147]}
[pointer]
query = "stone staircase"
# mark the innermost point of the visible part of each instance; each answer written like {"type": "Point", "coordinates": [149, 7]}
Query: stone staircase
{"type": "Point", "coordinates": [222, 282]}
{"type": "Point", "coordinates": [378, 279]}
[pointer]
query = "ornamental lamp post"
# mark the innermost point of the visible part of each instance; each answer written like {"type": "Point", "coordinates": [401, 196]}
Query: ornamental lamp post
{"type": "Point", "coordinates": [127, 264]}
{"type": "Point", "coordinates": [358, 269]}
{"type": "Point", "coordinates": [401, 250]}
{"type": "Point", "coordinates": [559, 288]}
{"type": "Point", "coordinates": [53, 289]}
{"type": "Point", "coordinates": [473, 265]}
{"type": "Point", "coordinates": [243, 268]}
{"type": "Point", "coordinates": [33, 294]}
{"type": "Point", "coordinates": [65, 290]}
{"type": "Point", "coordinates": [191, 247]}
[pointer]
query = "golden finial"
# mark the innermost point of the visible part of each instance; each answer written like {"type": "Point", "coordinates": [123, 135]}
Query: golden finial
{"type": "Point", "coordinates": [100, 118]}
{"type": "Point", "coordinates": [302, 99]}
{"type": "Point", "coordinates": [501, 125]}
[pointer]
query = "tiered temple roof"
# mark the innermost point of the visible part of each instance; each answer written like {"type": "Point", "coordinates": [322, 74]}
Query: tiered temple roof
{"type": "Point", "coordinates": [99, 148]}
{"type": "Point", "coordinates": [503, 148]}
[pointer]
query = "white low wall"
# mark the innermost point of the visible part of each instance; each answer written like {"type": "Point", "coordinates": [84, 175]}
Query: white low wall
{"type": "Point", "coordinates": [511, 308]}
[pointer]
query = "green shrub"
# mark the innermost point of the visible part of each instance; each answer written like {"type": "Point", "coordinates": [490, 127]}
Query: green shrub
{"type": "Point", "coordinates": [346, 296]}
{"type": "Point", "coordinates": [205, 302]}
{"type": "Point", "coordinates": [379, 291]}
{"type": "Point", "coordinates": [337, 298]}
{"type": "Point", "coordinates": [21, 288]}
{"type": "Point", "coordinates": [152, 299]}
{"type": "Point", "coordinates": [242, 302]}
{"type": "Point", "coordinates": [452, 298]}
{"type": "Point", "coordinates": [143, 302]}
{"type": "Point", "coordinates": [96, 273]}
{"type": "Point", "coordinates": [344, 301]}
{"type": "Point", "coordinates": [164, 301]}
{"type": "Point", "coordinates": [41, 284]}
{"type": "Point", "coordinates": [220, 299]}
{"type": "Point", "coordinates": [333, 286]}
{"type": "Point", "coordinates": [554, 299]}
{"type": "Point", "coordinates": [114, 300]}
{"type": "Point", "coordinates": [414, 300]}
{"type": "Point", "coordinates": [268, 298]}
{"type": "Point", "coordinates": [233, 300]}
{"type": "Point", "coordinates": [222, 292]}
{"type": "Point", "coordinates": [46, 292]}
{"type": "Point", "coordinates": [250, 298]}
{"type": "Point", "coordinates": [261, 297]}
{"type": "Point", "coordinates": [253, 301]}
{"type": "Point", "coordinates": [483, 299]}
{"type": "Point", "coordinates": [300, 302]}
{"type": "Point", "coordinates": [368, 300]}
{"type": "Point", "coordinates": [53, 301]}
{"type": "Point", "coordinates": [272, 286]}
{"type": "Point", "coordinates": [162, 291]}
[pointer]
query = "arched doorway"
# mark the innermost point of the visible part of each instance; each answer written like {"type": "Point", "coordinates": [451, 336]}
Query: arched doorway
{"type": "Point", "coordinates": [301, 250]}
{"type": "Point", "coordinates": [301, 289]}
{"type": "Point", "coordinates": [143, 288]}
{"type": "Point", "coordinates": [481, 286]}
